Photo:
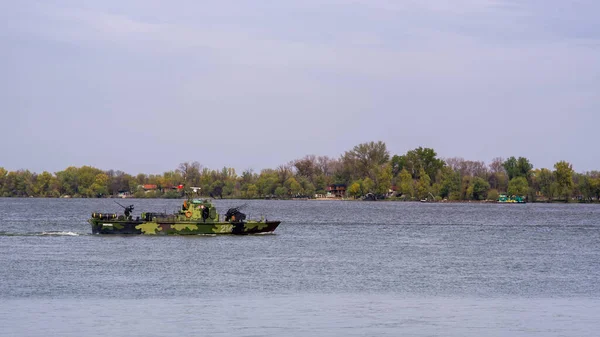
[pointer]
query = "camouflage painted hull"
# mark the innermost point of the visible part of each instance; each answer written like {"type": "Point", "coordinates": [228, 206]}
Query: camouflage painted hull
{"type": "Point", "coordinates": [180, 227]}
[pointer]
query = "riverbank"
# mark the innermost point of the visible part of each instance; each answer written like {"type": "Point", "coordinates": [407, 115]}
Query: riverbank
{"type": "Point", "coordinates": [334, 199]}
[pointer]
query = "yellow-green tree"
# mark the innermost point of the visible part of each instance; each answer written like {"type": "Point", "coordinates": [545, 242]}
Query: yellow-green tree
{"type": "Point", "coordinates": [383, 179]}
{"type": "Point", "coordinates": [294, 188]}
{"type": "Point", "coordinates": [99, 187]}
{"type": "Point", "coordinates": [252, 191]}
{"type": "Point", "coordinates": [367, 185]}
{"type": "Point", "coordinates": [493, 194]}
{"type": "Point", "coordinates": [563, 171]}
{"type": "Point", "coordinates": [3, 173]}
{"type": "Point", "coordinates": [86, 176]}
{"type": "Point", "coordinates": [45, 185]}
{"type": "Point", "coordinates": [354, 189]}
{"type": "Point", "coordinates": [423, 185]}
{"type": "Point", "coordinates": [406, 184]}
{"type": "Point", "coordinates": [518, 186]}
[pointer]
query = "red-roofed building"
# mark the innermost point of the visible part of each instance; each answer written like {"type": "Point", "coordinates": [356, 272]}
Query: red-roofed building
{"type": "Point", "coordinates": [149, 187]}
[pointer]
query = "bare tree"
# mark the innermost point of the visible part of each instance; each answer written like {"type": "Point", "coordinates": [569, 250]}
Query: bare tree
{"type": "Point", "coordinates": [467, 167]}
{"type": "Point", "coordinates": [284, 172]}
{"type": "Point", "coordinates": [190, 172]}
{"type": "Point", "coordinates": [306, 166]}
{"type": "Point", "coordinates": [496, 166]}
{"type": "Point", "coordinates": [327, 166]}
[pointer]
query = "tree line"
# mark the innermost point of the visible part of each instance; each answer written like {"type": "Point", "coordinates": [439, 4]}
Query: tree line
{"type": "Point", "coordinates": [366, 169]}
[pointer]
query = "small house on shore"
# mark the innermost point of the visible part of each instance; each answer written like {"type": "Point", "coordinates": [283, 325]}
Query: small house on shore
{"type": "Point", "coordinates": [336, 191]}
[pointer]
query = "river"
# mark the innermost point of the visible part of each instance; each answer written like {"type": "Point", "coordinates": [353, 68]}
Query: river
{"type": "Point", "coordinates": [332, 268]}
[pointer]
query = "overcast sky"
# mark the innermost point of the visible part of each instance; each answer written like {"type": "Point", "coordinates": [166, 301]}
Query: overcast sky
{"type": "Point", "coordinates": [144, 85]}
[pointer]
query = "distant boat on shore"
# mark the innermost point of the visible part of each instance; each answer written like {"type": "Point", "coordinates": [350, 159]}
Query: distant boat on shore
{"type": "Point", "coordinates": [515, 199]}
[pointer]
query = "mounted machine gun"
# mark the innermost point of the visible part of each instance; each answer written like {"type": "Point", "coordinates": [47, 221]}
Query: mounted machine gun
{"type": "Point", "coordinates": [127, 209]}
{"type": "Point", "coordinates": [234, 215]}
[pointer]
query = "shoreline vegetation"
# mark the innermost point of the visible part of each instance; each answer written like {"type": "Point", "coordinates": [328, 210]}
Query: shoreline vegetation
{"type": "Point", "coordinates": [366, 172]}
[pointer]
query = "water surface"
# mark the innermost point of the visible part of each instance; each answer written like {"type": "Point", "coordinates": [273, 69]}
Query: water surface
{"type": "Point", "coordinates": [332, 268]}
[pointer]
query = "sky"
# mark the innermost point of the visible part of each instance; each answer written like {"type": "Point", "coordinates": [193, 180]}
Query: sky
{"type": "Point", "coordinates": [143, 85]}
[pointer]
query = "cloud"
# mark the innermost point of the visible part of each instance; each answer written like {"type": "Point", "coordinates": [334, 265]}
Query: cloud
{"type": "Point", "coordinates": [424, 56]}
{"type": "Point", "coordinates": [456, 75]}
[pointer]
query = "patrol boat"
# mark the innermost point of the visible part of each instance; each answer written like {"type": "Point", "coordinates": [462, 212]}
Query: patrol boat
{"type": "Point", "coordinates": [196, 216]}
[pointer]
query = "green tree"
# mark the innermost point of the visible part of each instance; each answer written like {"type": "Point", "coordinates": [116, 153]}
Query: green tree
{"type": "Point", "coordinates": [281, 192]}
{"type": "Point", "coordinates": [415, 160]}
{"type": "Point", "coordinates": [545, 181]}
{"type": "Point", "coordinates": [229, 188]}
{"type": "Point", "coordinates": [563, 172]}
{"type": "Point", "coordinates": [518, 167]}
{"type": "Point", "coordinates": [320, 182]}
{"type": "Point", "coordinates": [267, 182]}
{"type": "Point", "coordinates": [595, 186]}
{"type": "Point", "coordinates": [18, 184]}
{"type": "Point", "coordinates": [478, 188]}
{"type": "Point", "coordinates": [362, 160]}
{"type": "Point", "coordinates": [216, 188]}
{"type": "Point", "coordinates": [518, 186]}
{"type": "Point", "coordinates": [247, 178]}
{"type": "Point", "coordinates": [9, 184]}
{"type": "Point", "coordinates": [583, 187]}
{"type": "Point", "coordinates": [450, 183]}
{"type": "Point", "coordinates": [67, 181]}
{"type": "Point", "coordinates": [398, 164]}
{"type": "Point", "coordinates": [307, 189]}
